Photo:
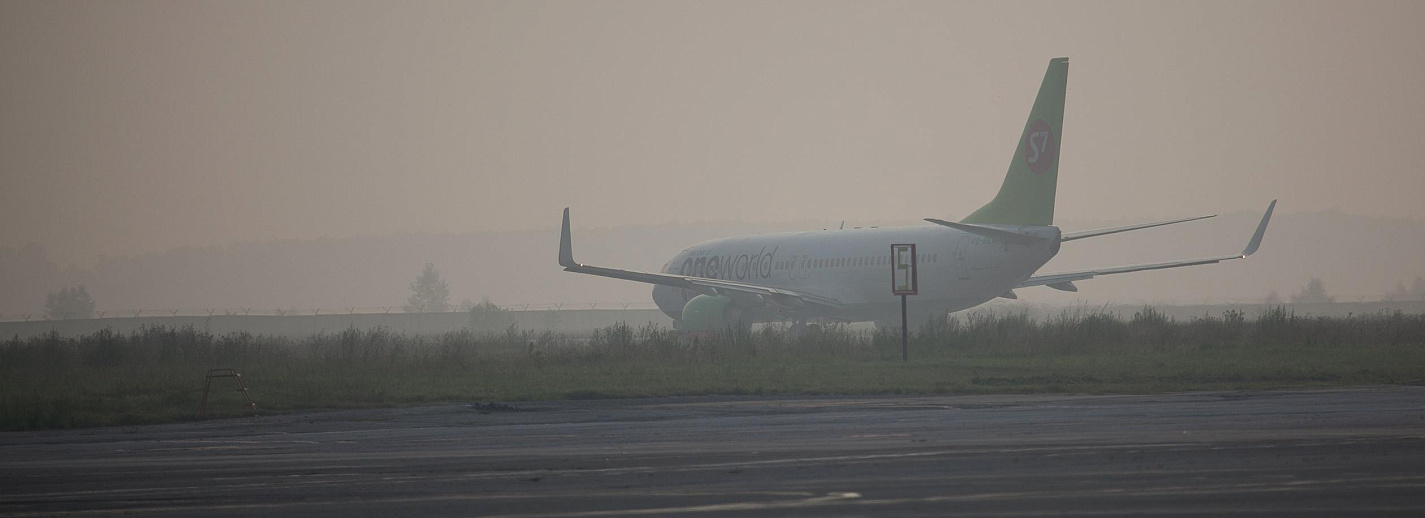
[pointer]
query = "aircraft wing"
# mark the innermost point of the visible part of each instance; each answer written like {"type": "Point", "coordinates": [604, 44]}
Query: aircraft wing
{"type": "Point", "coordinates": [766, 294]}
{"type": "Point", "coordinates": [1064, 280]}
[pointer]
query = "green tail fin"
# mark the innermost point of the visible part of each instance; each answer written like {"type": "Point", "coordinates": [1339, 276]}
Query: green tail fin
{"type": "Point", "coordinates": [1027, 196]}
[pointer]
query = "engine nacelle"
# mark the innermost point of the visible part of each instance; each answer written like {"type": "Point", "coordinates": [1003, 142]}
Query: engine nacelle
{"type": "Point", "coordinates": [712, 313]}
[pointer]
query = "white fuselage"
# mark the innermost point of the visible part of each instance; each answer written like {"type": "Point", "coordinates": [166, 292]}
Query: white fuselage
{"type": "Point", "coordinates": [956, 269]}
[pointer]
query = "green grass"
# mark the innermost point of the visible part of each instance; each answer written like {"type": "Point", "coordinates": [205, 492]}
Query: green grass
{"type": "Point", "coordinates": [156, 375]}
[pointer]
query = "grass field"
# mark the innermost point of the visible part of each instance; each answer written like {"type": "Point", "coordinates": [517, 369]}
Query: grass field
{"type": "Point", "coordinates": [156, 375]}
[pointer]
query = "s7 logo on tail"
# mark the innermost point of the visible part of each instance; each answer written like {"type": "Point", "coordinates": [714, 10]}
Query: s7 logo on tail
{"type": "Point", "coordinates": [1039, 149]}
{"type": "Point", "coordinates": [1038, 142]}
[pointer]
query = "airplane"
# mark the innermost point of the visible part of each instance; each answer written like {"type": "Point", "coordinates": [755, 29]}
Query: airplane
{"type": "Point", "coordinates": [841, 275]}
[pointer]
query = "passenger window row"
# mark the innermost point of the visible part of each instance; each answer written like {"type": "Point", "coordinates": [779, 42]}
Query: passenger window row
{"type": "Point", "coordinates": [844, 262]}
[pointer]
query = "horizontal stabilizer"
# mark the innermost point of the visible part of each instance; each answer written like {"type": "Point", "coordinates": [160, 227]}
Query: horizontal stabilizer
{"type": "Point", "coordinates": [990, 232]}
{"type": "Point", "coordinates": [1070, 236]}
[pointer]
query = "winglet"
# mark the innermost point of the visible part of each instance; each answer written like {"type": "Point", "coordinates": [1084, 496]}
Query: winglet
{"type": "Point", "coordinates": [566, 252]}
{"type": "Point", "coordinates": [1261, 229]}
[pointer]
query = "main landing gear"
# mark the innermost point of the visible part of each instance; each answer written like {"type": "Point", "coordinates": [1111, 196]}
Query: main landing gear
{"type": "Point", "coordinates": [799, 327]}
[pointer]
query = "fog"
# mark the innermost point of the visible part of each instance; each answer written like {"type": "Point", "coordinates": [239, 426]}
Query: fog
{"type": "Point", "coordinates": [1358, 259]}
{"type": "Point", "coordinates": [315, 154]}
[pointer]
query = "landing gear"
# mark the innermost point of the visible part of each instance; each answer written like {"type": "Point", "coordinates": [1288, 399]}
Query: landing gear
{"type": "Point", "coordinates": [799, 328]}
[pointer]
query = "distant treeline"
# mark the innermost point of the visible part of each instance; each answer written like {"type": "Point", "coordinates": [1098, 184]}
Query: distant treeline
{"type": "Point", "coordinates": [156, 374]}
{"type": "Point", "coordinates": [1015, 333]}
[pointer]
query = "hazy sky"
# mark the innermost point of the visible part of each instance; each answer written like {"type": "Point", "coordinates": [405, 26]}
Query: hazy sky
{"type": "Point", "coordinates": [134, 127]}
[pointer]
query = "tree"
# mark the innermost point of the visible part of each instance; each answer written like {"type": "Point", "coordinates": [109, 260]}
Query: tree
{"type": "Point", "coordinates": [1399, 294]}
{"type": "Point", "coordinates": [1416, 291]}
{"type": "Point", "coordinates": [69, 303]}
{"type": "Point", "coordinates": [1273, 299]}
{"type": "Point", "coordinates": [429, 292]}
{"type": "Point", "coordinates": [486, 316]}
{"type": "Point", "coordinates": [1314, 291]}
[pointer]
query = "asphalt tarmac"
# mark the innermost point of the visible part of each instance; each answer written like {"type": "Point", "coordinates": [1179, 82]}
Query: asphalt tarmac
{"type": "Point", "coordinates": [1292, 453]}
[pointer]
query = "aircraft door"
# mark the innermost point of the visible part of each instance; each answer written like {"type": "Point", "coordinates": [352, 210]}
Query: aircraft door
{"type": "Point", "coordinates": [962, 252]}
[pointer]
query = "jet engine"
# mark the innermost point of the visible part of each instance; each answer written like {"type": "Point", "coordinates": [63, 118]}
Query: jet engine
{"type": "Point", "coordinates": [712, 313]}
